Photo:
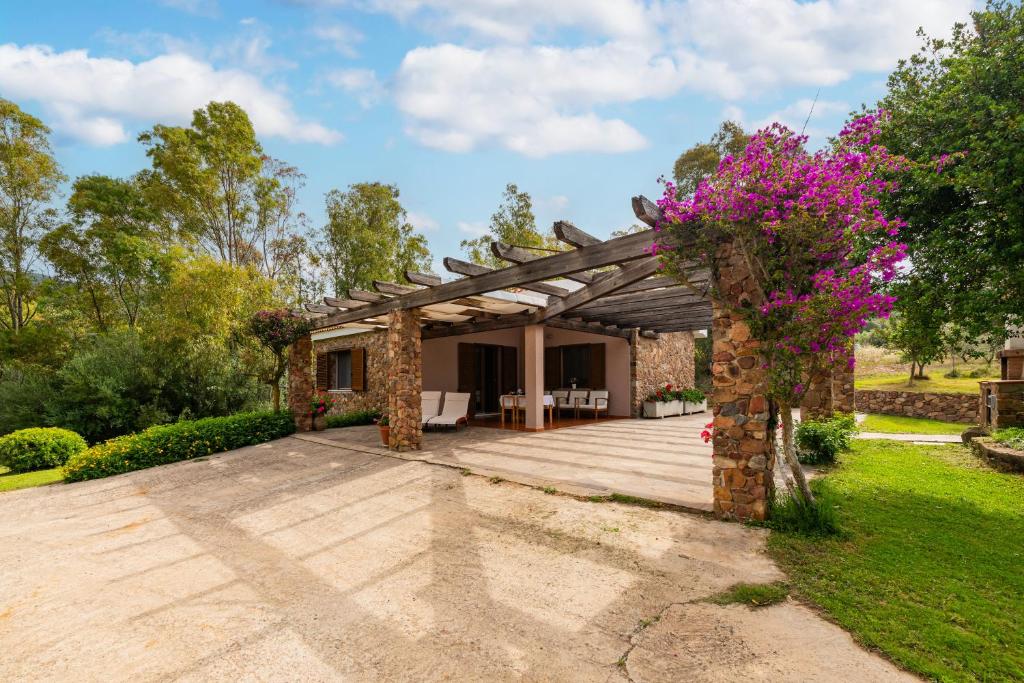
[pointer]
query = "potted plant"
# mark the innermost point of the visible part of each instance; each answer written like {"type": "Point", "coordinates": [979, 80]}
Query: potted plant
{"type": "Point", "coordinates": [674, 399]}
{"type": "Point", "coordinates": [384, 425]}
{"type": "Point", "coordinates": [657, 404]}
{"type": "Point", "coordinates": [319, 406]}
{"type": "Point", "coordinates": [694, 401]}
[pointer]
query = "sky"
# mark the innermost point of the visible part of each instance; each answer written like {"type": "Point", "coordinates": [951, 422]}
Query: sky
{"type": "Point", "coordinates": [582, 103]}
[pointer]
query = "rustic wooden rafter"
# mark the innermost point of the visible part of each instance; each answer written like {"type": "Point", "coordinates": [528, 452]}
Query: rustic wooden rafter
{"type": "Point", "coordinates": [635, 271]}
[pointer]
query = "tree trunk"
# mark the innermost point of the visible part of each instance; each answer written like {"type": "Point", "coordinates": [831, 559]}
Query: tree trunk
{"type": "Point", "coordinates": [789, 452]}
{"type": "Point", "coordinates": [913, 367]}
{"type": "Point", "coordinates": [920, 370]}
{"type": "Point", "coordinates": [275, 395]}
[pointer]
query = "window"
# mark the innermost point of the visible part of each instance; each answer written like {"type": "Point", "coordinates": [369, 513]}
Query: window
{"type": "Point", "coordinates": [341, 370]}
{"type": "Point", "coordinates": [576, 365]}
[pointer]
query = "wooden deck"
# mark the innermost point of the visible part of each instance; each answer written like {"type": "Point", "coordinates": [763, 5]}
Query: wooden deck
{"type": "Point", "coordinates": [663, 460]}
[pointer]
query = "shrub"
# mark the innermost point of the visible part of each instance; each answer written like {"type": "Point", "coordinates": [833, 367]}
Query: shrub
{"type": "Point", "coordinates": [791, 515]}
{"type": "Point", "coordinates": [180, 441]}
{"type": "Point", "coordinates": [952, 374]}
{"type": "Point", "coordinates": [1011, 436]}
{"type": "Point", "coordinates": [819, 441]}
{"type": "Point", "coordinates": [692, 395]}
{"type": "Point", "coordinates": [39, 448]}
{"type": "Point", "coordinates": [978, 372]}
{"type": "Point", "coordinates": [353, 418]}
{"type": "Point", "coordinates": [25, 392]}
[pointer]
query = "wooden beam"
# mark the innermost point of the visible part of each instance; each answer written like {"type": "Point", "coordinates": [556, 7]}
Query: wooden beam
{"type": "Point", "coordinates": [519, 320]}
{"type": "Point", "coordinates": [570, 234]}
{"type": "Point", "coordinates": [317, 308]}
{"type": "Point", "coordinates": [518, 255]}
{"type": "Point", "coordinates": [643, 300]}
{"type": "Point", "coordinates": [425, 279]}
{"type": "Point", "coordinates": [473, 269]}
{"type": "Point", "coordinates": [632, 317]}
{"type": "Point", "coordinates": [646, 210]}
{"type": "Point", "coordinates": [343, 303]}
{"type": "Point", "coordinates": [637, 270]}
{"type": "Point", "coordinates": [393, 288]}
{"type": "Point", "coordinates": [369, 297]}
{"type": "Point", "coordinates": [612, 252]}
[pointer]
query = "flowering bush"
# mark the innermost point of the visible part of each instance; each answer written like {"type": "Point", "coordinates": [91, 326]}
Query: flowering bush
{"type": "Point", "coordinates": [811, 231]}
{"type": "Point", "coordinates": [321, 403]}
{"type": "Point", "coordinates": [708, 432]}
{"type": "Point", "coordinates": [671, 393]}
{"type": "Point", "coordinates": [277, 330]}
{"type": "Point", "coordinates": [382, 420]}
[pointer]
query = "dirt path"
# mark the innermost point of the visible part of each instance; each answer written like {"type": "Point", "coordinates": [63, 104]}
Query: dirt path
{"type": "Point", "coordinates": [298, 561]}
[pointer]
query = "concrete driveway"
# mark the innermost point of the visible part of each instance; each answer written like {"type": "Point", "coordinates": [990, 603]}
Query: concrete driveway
{"type": "Point", "coordinates": [301, 561]}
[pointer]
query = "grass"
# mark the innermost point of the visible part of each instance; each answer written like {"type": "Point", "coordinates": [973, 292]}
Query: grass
{"type": "Point", "coordinates": [1012, 437]}
{"type": "Point", "coordinates": [928, 567]}
{"type": "Point", "coordinates": [898, 424]}
{"type": "Point", "coordinates": [633, 500]}
{"type": "Point", "coordinates": [936, 384]}
{"type": "Point", "coordinates": [752, 594]}
{"type": "Point", "coordinates": [11, 482]}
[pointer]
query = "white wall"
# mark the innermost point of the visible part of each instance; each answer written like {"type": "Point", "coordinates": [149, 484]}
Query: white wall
{"type": "Point", "coordinates": [441, 356]}
{"type": "Point", "coordinates": [616, 363]}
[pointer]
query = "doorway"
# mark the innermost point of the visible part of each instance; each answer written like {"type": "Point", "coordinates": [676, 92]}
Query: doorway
{"type": "Point", "coordinates": [486, 371]}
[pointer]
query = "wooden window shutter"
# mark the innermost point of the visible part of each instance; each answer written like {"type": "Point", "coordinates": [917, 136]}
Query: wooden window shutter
{"type": "Point", "coordinates": [597, 378]}
{"type": "Point", "coordinates": [359, 369]}
{"type": "Point", "coordinates": [552, 368]}
{"type": "Point", "coordinates": [509, 369]}
{"type": "Point", "coordinates": [323, 371]}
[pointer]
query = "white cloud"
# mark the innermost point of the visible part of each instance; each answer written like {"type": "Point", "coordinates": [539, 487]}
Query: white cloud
{"type": "Point", "coordinates": [422, 222]}
{"type": "Point", "coordinates": [806, 110]}
{"type": "Point", "coordinates": [96, 99]}
{"type": "Point", "coordinates": [361, 83]}
{"type": "Point", "coordinates": [341, 37]}
{"type": "Point", "coordinates": [251, 51]}
{"type": "Point", "coordinates": [533, 100]}
{"type": "Point", "coordinates": [473, 228]}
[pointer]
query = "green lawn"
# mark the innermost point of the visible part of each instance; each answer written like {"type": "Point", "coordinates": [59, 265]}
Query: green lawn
{"type": "Point", "coordinates": [897, 424]}
{"type": "Point", "coordinates": [929, 571]}
{"type": "Point", "coordinates": [936, 385]}
{"type": "Point", "coordinates": [10, 482]}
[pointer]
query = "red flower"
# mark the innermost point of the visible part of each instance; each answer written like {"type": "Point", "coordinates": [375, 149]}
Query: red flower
{"type": "Point", "coordinates": [707, 433]}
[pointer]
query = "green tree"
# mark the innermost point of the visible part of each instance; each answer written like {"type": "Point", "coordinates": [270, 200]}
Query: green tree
{"type": "Point", "coordinates": [513, 223]}
{"type": "Point", "coordinates": [915, 330]}
{"type": "Point", "coordinates": [109, 249]}
{"type": "Point", "coordinates": [222, 192]}
{"type": "Point", "coordinates": [368, 237]}
{"type": "Point", "coordinates": [29, 178]}
{"type": "Point", "coordinates": [965, 228]}
{"type": "Point", "coordinates": [277, 330]}
{"type": "Point", "coordinates": [701, 161]}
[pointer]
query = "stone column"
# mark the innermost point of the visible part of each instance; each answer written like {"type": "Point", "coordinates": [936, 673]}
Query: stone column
{"type": "Point", "coordinates": [533, 350]}
{"type": "Point", "coordinates": [816, 402]}
{"type": "Point", "coordinates": [405, 380]}
{"type": "Point", "coordinates": [744, 453]}
{"type": "Point", "coordinates": [843, 394]}
{"type": "Point", "coordinates": [300, 382]}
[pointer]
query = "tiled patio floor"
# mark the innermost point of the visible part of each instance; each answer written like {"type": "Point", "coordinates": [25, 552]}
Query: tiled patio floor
{"type": "Point", "coordinates": [663, 460]}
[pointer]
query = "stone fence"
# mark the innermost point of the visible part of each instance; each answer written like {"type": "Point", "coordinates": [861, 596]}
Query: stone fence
{"type": "Point", "coordinates": [946, 407]}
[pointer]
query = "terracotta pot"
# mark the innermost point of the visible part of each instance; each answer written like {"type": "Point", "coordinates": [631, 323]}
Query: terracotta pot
{"type": "Point", "coordinates": [385, 434]}
{"type": "Point", "coordinates": [319, 423]}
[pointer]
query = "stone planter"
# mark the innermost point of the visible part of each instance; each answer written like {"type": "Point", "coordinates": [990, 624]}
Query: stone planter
{"type": "Point", "coordinates": [655, 409]}
{"type": "Point", "coordinates": [675, 407]}
{"type": "Point", "coordinates": [691, 408]}
{"type": "Point", "coordinates": [385, 435]}
{"type": "Point", "coordinates": [319, 423]}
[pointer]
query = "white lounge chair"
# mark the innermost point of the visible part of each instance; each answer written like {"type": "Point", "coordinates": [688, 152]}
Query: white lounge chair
{"type": "Point", "coordinates": [430, 405]}
{"type": "Point", "coordinates": [576, 397]}
{"type": "Point", "coordinates": [561, 398]}
{"type": "Point", "coordinates": [595, 403]}
{"type": "Point", "coordinates": [454, 412]}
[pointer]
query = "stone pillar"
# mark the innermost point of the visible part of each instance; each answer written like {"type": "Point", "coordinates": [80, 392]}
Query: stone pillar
{"type": "Point", "coordinates": [744, 453]}
{"type": "Point", "coordinates": [300, 382]}
{"type": "Point", "coordinates": [405, 380]}
{"type": "Point", "coordinates": [843, 394]}
{"type": "Point", "coordinates": [533, 350]}
{"type": "Point", "coordinates": [816, 402]}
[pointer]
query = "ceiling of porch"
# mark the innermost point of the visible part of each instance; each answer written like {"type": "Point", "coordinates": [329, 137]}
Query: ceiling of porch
{"type": "Point", "coordinates": [610, 287]}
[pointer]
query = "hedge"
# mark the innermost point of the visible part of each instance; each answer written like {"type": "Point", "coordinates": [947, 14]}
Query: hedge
{"type": "Point", "coordinates": [39, 448]}
{"type": "Point", "coordinates": [179, 441]}
{"type": "Point", "coordinates": [353, 418]}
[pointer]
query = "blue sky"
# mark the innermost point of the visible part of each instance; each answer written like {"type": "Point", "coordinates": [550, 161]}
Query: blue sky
{"type": "Point", "coordinates": [583, 103]}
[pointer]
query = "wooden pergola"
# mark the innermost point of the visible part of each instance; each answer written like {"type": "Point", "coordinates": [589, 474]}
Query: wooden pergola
{"type": "Point", "coordinates": [609, 287]}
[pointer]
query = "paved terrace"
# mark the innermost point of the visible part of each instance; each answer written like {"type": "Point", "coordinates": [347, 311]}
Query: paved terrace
{"type": "Point", "coordinates": [663, 460]}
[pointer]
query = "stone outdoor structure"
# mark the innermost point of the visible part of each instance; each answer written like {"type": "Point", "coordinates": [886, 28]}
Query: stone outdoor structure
{"type": "Point", "coordinates": [832, 393]}
{"type": "Point", "coordinates": [300, 382]}
{"type": "Point", "coordinates": [744, 453]}
{"type": "Point", "coordinates": [844, 399]}
{"type": "Point", "coordinates": [405, 379]}
{"type": "Point", "coordinates": [945, 407]}
{"type": "Point", "coordinates": [655, 362]}
{"type": "Point", "coordinates": [373, 394]}
{"type": "Point", "coordinates": [1001, 401]}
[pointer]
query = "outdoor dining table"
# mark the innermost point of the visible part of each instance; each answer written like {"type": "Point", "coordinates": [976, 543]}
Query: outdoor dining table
{"type": "Point", "coordinates": [519, 401]}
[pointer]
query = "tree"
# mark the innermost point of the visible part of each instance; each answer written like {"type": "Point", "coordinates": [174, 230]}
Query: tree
{"type": "Point", "coordinates": [965, 232]}
{"type": "Point", "coordinates": [800, 222]}
{"type": "Point", "coordinates": [513, 223]}
{"type": "Point", "coordinates": [222, 191]}
{"type": "Point", "coordinates": [368, 237]}
{"type": "Point", "coordinates": [701, 161]}
{"type": "Point", "coordinates": [109, 249]}
{"type": "Point", "coordinates": [29, 178]}
{"type": "Point", "coordinates": [277, 330]}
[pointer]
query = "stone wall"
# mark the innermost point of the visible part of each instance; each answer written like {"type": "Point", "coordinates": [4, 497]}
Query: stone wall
{"type": "Point", "coordinates": [374, 397]}
{"type": "Point", "coordinates": [946, 407]}
{"type": "Point", "coordinates": [300, 382]}
{"type": "Point", "coordinates": [1009, 403]}
{"type": "Point", "coordinates": [655, 362]}
{"type": "Point", "coordinates": [405, 380]}
{"type": "Point", "coordinates": [743, 445]}
{"type": "Point", "coordinates": [843, 394]}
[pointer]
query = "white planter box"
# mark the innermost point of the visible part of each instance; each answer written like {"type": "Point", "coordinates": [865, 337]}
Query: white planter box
{"type": "Point", "coordinates": [691, 408]}
{"type": "Point", "coordinates": [656, 409]}
{"type": "Point", "coordinates": [675, 407]}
